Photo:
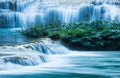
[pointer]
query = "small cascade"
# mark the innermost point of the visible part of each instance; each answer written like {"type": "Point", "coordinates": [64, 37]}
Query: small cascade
{"type": "Point", "coordinates": [15, 5]}
{"type": "Point", "coordinates": [16, 60]}
{"type": "Point", "coordinates": [30, 54]}
{"type": "Point", "coordinates": [20, 13]}
{"type": "Point", "coordinates": [44, 46]}
{"type": "Point", "coordinates": [11, 15]}
{"type": "Point", "coordinates": [24, 59]}
{"type": "Point", "coordinates": [48, 47]}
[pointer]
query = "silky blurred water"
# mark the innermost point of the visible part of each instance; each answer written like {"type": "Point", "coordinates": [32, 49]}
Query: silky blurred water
{"type": "Point", "coordinates": [78, 64]}
{"type": "Point", "coordinates": [72, 64]}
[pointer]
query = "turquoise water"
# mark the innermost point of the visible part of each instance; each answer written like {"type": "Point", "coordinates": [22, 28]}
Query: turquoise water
{"type": "Point", "coordinates": [68, 75]}
{"type": "Point", "coordinates": [11, 36]}
{"type": "Point", "coordinates": [78, 64]}
{"type": "Point", "coordinates": [75, 64]}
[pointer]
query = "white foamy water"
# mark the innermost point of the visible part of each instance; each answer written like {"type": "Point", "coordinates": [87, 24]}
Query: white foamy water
{"type": "Point", "coordinates": [20, 60]}
{"type": "Point", "coordinates": [25, 13]}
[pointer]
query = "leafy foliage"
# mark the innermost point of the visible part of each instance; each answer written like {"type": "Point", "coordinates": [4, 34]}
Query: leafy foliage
{"type": "Point", "coordinates": [71, 30]}
{"type": "Point", "coordinates": [35, 31]}
{"type": "Point", "coordinates": [98, 34]}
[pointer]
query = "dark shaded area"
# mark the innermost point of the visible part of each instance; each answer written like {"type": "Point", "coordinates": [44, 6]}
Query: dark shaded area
{"type": "Point", "coordinates": [93, 43]}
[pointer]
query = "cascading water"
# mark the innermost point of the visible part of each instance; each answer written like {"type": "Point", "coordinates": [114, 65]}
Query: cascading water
{"type": "Point", "coordinates": [30, 54]}
{"type": "Point", "coordinates": [9, 12]}
{"type": "Point", "coordinates": [43, 57]}
{"type": "Point", "coordinates": [29, 12]}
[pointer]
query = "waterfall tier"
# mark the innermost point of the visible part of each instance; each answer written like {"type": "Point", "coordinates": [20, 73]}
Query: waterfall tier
{"type": "Point", "coordinates": [15, 5]}
{"type": "Point", "coordinates": [44, 46]}
{"type": "Point", "coordinates": [31, 54]}
{"type": "Point", "coordinates": [24, 59]}
{"type": "Point", "coordinates": [32, 12]}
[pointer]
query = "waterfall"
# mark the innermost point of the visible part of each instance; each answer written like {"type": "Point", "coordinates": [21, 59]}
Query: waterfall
{"type": "Point", "coordinates": [45, 56]}
{"type": "Point", "coordinates": [14, 60]}
{"type": "Point", "coordinates": [11, 15]}
{"type": "Point", "coordinates": [30, 54]}
{"type": "Point", "coordinates": [16, 5]}
{"type": "Point", "coordinates": [44, 46]}
{"type": "Point", "coordinates": [24, 59]}
{"type": "Point", "coordinates": [19, 13]}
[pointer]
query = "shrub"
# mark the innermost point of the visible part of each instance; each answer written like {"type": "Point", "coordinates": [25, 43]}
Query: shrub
{"type": "Point", "coordinates": [35, 31]}
{"type": "Point", "coordinates": [73, 31]}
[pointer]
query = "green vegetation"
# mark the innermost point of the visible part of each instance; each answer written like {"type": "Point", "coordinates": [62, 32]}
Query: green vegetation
{"type": "Point", "coordinates": [42, 30]}
{"type": "Point", "coordinates": [97, 35]}
{"type": "Point", "coordinates": [35, 31]}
